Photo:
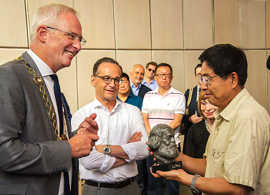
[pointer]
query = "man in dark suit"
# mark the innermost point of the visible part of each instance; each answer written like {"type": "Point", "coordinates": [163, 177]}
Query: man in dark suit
{"type": "Point", "coordinates": [136, 76]}
{"type": "Point", "coordinates": [37, 150]}
{"type": "Point", "coordinates": [192, 95]}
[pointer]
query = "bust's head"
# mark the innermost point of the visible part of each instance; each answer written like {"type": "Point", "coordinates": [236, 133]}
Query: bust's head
{"type": "Point", "coordinates": [161, 142]}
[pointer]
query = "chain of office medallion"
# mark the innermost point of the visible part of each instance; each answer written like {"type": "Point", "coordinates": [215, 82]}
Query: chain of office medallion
{"type": "Point", "coordinates": [39, 81]}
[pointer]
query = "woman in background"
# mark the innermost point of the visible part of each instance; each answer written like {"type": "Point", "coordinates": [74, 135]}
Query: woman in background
{"type": "Point", "coordinates": [198, 133]}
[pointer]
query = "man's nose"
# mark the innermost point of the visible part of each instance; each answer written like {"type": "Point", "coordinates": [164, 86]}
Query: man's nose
{"type": "Point", "coordinates": [203, 86]}
{"type": "Point", "coordinates": [77, 44]}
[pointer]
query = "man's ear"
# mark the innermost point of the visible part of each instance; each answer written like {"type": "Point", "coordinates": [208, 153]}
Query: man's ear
{"type": "Point", "coordinates": [93, 80]}
{"type": "Point", "coordinates": [235, 79]}
{"type": "Point", "coordinates": [42, 33]}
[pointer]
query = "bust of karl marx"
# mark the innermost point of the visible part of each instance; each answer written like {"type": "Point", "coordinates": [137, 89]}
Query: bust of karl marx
{"type": "Point", "coordinates": [161, 142]}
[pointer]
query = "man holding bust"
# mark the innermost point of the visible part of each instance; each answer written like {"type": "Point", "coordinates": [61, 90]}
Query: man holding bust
{"type": "Point", "coordinates": [237, 157]}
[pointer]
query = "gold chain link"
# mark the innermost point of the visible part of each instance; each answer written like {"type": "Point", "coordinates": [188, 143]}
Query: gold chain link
{"type": "Point", "coordinates": [51, 112]}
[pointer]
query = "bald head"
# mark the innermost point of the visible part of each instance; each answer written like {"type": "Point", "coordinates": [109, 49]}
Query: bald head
{"type": "Point", "coordinates": [137, 74]}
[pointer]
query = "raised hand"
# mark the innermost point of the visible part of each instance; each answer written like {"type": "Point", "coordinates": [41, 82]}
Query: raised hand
{"type": "Point", "coordinates": [82, 143]}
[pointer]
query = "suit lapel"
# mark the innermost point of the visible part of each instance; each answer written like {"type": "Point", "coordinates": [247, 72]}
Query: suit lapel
{"type": "Point", "coordinates": [27, 58]}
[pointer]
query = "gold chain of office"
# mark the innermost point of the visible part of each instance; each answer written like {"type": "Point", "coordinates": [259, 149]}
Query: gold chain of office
{"type": "Point", "coordinates": [40, 83]}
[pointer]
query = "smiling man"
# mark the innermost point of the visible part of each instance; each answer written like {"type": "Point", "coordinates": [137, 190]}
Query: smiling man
{"type": "Point", "coordinates": [125, 94]}
{"type": "Point", "coordinates": [37, 149]}
{"type": "Point", "coordinates": [136, 76]}
{"type": "Point", "coordinates": [237, 159]}
{"type": "Point", "coordinates": [110, 169]}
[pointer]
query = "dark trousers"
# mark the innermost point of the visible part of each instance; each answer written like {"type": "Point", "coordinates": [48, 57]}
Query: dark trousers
{"type": "Point", "coordinates": [156, 185]}
{"type": "Point", "coordinates": [142, 176]}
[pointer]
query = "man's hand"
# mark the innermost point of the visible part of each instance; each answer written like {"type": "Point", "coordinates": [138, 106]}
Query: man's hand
{"type": "Point", "coordinates": [81, 144]}
{"type": "Point", "coordinates": [89, 124]}
{"type": "Point", "coordinates": [136, 137]}
{"type": "Point", "coordinates": [195, 119]}
{"type": "Point", "coordinates": [177, 175]}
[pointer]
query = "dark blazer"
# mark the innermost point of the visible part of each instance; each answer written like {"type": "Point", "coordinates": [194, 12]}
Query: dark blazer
{"type": "Point", "coordinates": [191, 109]}
{"type": "Point", "coordinates": [31, 159]}
{"type": "Point", "coordinates": [196, 140]}
{"type": "Point", "coordinates": [143, 90]}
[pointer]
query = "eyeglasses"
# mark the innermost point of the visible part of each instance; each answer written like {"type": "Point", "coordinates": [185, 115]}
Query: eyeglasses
{"type": "Point", "coordinates": [72, 36]}
{"type": "Point", "coordinates": [151, 70]}
{"type": "Point", "coordinates": [123, 82]}
{"type": "Point", "coordinates": [108, 79]}
{"type": "Point", "coordinates": [206, 79]}
{"type": "Point", "coordinates": [164, 75]}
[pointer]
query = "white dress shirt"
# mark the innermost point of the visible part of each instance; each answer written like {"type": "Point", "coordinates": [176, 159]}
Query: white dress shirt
{"type": "Point", "coordinates": [45, 72]}
{"type": "Point", "coordinates": [114, 128]}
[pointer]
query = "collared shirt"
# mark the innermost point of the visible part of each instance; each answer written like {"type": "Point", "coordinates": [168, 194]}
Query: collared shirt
{"type": "Point", "coordinates": [161, 108]}
{"type": "Point", "coordinates": [115, 128]}
{"type": "Point", "coordinates": [133, 100]}
{"type": "Point", "coordinates": [45, 72]}
{"type": "Point", "coordinates": [152, 85]}
{"type": "Point", "coordinates": [135, 90]}
{"type": "Point", "coordinates": [238, 147]}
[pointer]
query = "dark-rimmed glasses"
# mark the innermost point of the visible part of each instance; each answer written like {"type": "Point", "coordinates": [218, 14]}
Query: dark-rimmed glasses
{"type": "Point", "coordinates": [163, 75]}
{"type": "Point", "coordinates": [108, 79]}
{"type": "Point", "coordinates": [71, 35]}
{"type": "Point", "coordinates": [151, 70]}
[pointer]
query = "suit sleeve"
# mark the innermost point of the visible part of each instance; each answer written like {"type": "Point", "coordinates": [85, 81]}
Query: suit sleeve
{"type": "Point", "coordinates": [18, 155]}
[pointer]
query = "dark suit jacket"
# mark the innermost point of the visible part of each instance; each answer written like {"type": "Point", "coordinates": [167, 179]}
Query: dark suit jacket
{"type": "Point", "coordinates": [31, 159]}
{"type": "Point", "coordinates": [196, 140]}
{"type": "Point", "coordinates": [191, 109]}
{"type": "Point", "coordinates": [143, 90]}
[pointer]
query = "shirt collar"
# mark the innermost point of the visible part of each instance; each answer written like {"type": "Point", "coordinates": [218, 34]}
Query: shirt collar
{"type": "Point", "coordinates": [230, 110]}
{"type": "Point", "coordinates": [151, 82]}
{"type": "Point", "coordinates": [171, 90]}
{"type": "Point", "coordinates": [134, 87]}
{"type": "Point", "coordinates": [97, 104]}
{"type": "Point", "coordinates": [43, 68]}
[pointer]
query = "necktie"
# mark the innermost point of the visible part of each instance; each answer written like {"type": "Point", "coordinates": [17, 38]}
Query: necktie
{"type": "Point", "coordinates": [57, 93]}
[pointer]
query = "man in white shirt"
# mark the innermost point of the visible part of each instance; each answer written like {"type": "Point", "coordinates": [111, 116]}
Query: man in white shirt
{"type": "Point", "coordinates": [165, 105]}
{"type": "Point", "coordinates": [111, 167]}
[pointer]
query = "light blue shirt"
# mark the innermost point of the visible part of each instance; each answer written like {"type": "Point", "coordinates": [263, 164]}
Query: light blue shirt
{"type": "Point", "coordinates": [152, 85]}
{"type": "Point", "coordinates": [135, 90]}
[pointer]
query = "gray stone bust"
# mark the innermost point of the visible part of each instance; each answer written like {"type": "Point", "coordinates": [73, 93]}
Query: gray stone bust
{"type": "Point", "coordinates": [161, 142]}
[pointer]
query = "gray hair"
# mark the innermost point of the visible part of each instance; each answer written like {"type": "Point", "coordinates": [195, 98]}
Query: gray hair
{"type": "Point", "coordinates": [47, 15]}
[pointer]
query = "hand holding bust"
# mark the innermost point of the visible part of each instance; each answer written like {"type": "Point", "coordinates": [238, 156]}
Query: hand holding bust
{"type": "Point", "coordinates": [161, 142]}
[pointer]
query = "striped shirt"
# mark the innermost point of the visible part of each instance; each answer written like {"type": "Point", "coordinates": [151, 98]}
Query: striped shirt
{"type": "Point", "coordinates": [161, 108]}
